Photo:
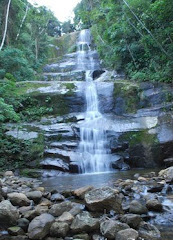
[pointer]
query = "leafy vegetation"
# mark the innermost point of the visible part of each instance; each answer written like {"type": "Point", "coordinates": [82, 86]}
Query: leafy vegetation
{"type": "Point", "coordinates": [134, 36]}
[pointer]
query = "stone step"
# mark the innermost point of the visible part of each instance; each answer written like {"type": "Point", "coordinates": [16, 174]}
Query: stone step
{"type": "Point", "coordinates": [61, 136]}
{"type": "Point", "coordinates": [66, 76]}
{"type": "Point", "coordinates": [64, 145]}
{"type": "Point", "coordinates": [57, 164]}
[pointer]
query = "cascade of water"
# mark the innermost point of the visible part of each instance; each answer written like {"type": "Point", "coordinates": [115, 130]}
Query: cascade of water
{"type": "Point", "coordinates": [94, 153]}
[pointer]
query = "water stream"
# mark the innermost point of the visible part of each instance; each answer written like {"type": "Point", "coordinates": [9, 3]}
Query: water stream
{"type": "Point", "coordinates": [93, 142]}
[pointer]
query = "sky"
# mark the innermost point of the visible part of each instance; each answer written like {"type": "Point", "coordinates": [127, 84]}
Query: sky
{"type": "Point", "coordinates": [63, 9]}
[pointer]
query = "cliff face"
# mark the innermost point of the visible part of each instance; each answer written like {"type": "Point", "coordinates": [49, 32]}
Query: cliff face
{"type": "Point", "coordinates": [137, 116]}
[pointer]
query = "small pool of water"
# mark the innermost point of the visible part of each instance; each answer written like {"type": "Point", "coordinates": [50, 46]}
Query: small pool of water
{"type": "Point", "coordinates": [74, 181]}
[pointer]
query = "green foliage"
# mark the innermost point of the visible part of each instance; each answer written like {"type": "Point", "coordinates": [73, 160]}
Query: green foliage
{"type": "Point", "coordinates": [17, 153]}
{"type": "Point", "coordinates": [15, 65]}
{"type": "Point", "coordinates": [134, 36]}
{"type": "Point", "coordinates": [7, 112]}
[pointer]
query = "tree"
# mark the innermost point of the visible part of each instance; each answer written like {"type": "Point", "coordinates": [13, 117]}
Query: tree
{"type": "Point", "coordinates": [6, 25]}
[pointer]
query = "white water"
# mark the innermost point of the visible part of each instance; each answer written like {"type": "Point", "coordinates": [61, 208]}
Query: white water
{"type": "Point", "coordinates": [94, 153]}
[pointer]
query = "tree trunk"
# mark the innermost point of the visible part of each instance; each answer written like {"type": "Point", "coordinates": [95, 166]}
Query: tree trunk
{"type": "Point", "coordinates": [6, 25]}
{"type": "Point", "coordinates": [24, 17]}
{"type": "Point", "coordinates": [36, 48]}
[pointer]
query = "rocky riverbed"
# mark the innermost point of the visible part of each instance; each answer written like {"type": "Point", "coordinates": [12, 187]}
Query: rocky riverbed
{"type": "Point", "coordinates": [130, 209]}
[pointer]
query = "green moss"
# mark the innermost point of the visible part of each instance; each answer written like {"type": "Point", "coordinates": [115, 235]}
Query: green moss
{"type": "Point", "coordinates": [63, 45]}
{"type": "Point", "coordinates": [23, 87]}
{"type": "Point", "coordinates": [33, 173]}
{"type": "Point", "coordinates": [18, 153]}
{"type": "Point", "coordinates": [130, 92]}
{"type": "Point", "coordinates": [70, 87]}
{"type": "Point", "coordinates": [140, 137]}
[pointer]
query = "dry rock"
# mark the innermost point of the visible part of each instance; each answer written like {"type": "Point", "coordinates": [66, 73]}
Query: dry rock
{"type": "Point", "coordinates": [84, 222]}
{"type": "Point", "coordinates": [35, 196]}
{"type": "Point", "coordinates": [137, 207]}
{"type": "Point", "coordinates": [127, 234]}
{"type": "Point", "coordinates": [18, 199]}
{"type": "Point", "coordinates": [59, 229]}
{"type": "Point", "coordinates": [80, 192]}
{"type": "Point", "coordinates": [102, 199]}
{"type": "Point", "coordinates": [154, 205]}
{"type": "Point", "coordinates": [39, 227]}
{"type": "Point", "coordinates": [109, 228]}
{"type": "Point", "coordinates": [8, 214]}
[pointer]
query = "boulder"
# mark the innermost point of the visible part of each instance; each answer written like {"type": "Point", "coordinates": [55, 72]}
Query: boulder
{"type": "Point", "coordinates": [8, 174]}
{"type": "Point", "coordinates": [8, 214]}
{"type": "Point", "coordinates": [66, 217]}
{"type": "Point", "coordinates": [58, 209]}
{"type": "Point", "coordinates": [127, 234]}
{"type": "Point", "coordinates": [109, 228]}
{"type": "Point", "coordinates": [83, 236]}
{"type": "Point", "coordinates": [154, 205]}
{"type": "Point", "coordinates": [84, 222]}
{"type": "Point", "coordinates": [133, 220]}
{"type": "Point", "coordinates": [59, 229]}
{"type": "Point", "coordinates": [35, 196]}
{"type": "Point", "coordinates": [103, 198]}
{"type": "Point", "coordinates": [137, 207]}
{"type": "Point", "coordinates": [18, 199]}
{"type": "Point", "coordinates": [148, 231]}
{"type": "Point", "coordinates": [167, 174]}
{"type": "Point", "coordinates": [39, 227]}
{"type": "Point", "coordinates": [23, 223]}
{"type": "Point", "coordinates": [80, 192]}
{"type": "Point", "coordinates": [57, 197]}
{"type": "Point", "coordinates": [15, 231]}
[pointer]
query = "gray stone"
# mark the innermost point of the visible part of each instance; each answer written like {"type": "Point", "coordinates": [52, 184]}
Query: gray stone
{"type": "Point", "coordinates": [18, 199]}
{"type": "Point", "coordinates": [23, 223]}
{"type": "Point", "coordinates": [109, 228]}
{"type": "Point", "coordinates": [154, 205]}
{"type": "Point", "coordinates": [39, 227]}
{"type": "Point", "coordinates": [133, 220]}
{"type": "Point", "coordinates": [15, 231]}
{"type": "Point", "coordinates": [148, 231]}
{"type": "Point", "coordinates": [57, 197]}
{"type": "Point", "coordinates": [84, 222]}
{"type": "Point", "coordinates": [102, 199]}
{"type": "Point", "coordinates": [80, 192]}
{"type": "Point", "coordinates": [35, 196]}
{"type": "Point", "coordinates": [137, 207]}
{"type": "Point", "coordinates": [65, 217]}
{"type": "Point", "coordinates": [59, 229]}
{"type": "Point", "coordinates": [167, 173]}
{"type": "Point", "coordinates": [83, 236]}
{"type": "Point", "coordinates": [8, 174]}
{"type": "Point", "coordinates": [8, 214]}
{"type": "Point", "coordinates": [58, 209]}
{"type": "Point", "coordinates": [127, 234]}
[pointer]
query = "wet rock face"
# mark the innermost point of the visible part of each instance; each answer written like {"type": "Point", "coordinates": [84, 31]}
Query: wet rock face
{"type": "Point", "coordinates": [103, 199]}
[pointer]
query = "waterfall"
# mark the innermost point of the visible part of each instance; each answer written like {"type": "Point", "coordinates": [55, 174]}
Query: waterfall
{"type": "Point", "coordinates": [93, 151]}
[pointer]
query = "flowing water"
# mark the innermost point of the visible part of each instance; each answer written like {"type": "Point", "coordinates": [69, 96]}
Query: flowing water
{"type": "Point", "coordinates": [93, 142]}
